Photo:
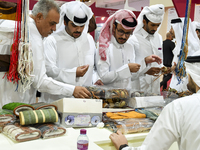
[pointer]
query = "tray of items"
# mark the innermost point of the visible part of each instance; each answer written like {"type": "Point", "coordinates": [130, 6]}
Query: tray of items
{"type": "Point", "coordinates": [112, 97]}
{"type": "Point", "coordinates": [127, 122]}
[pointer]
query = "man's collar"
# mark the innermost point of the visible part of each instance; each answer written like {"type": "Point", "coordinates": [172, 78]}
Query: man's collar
{"type": "Point", "coordinates": [145, 34]}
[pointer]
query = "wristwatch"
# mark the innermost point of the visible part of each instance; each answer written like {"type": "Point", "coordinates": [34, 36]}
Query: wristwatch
{"type": "Point", "coordinates": [122, 146]}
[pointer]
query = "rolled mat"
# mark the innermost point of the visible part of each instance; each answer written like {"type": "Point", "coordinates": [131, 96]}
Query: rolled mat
{"type": "Point", "coordinates": [42, 105]}
{"type": "Point", "coordinates": [6, 116]}
{"type": "Point", "coordinates": [50, 130]}
{"type": "Point", "coordinates": [38, 116]}
{"type": "Point", "coordinates": [21, 134]}
{"type": "Point", "coordinates": [17, 107]}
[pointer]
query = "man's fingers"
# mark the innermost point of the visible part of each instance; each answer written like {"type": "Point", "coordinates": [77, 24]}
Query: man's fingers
{"type": "Point", "coordinates": [86, 92]}
{"type": "Point", "coordinates": [157, 59]}
{"type": "Point", "coordinates": [119, 132]}
{"type": "Point", "coordinates": [156, 75]}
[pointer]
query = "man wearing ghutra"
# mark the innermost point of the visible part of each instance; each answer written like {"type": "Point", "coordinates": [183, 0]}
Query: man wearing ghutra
{"type": "Point", "coordinates": [116, 60]}
{"type": "Point", "coordinates": [148, 41]}
{"type": "Point", "coordinates": [197, 28]}
{"type": "Point", "coordinates": [45, 15]}
{"type": "Point", "coordinates": [70, 50]}
{"type": "Point", "coordinates": [178, 121]}
{"type": "Point", "coordinates": [193, 46]}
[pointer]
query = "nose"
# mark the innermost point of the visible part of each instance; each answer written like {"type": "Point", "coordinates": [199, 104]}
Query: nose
{"type": "Point", "coordinates": [78, 29]}
{"type": "Point", "coordinates": [155, 28]}
{"type": "Point", "coordinates": [124, 36]}
{"type": "Point", "coordinates": [53, 27]}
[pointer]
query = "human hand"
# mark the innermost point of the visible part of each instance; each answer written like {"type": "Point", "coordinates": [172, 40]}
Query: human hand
{"type": "Point", "coordinates": [81, 70]}
{"type": "Point", "coordinates": [173, 67]}
{"type": "Point", "coordinates": [153, 71]}
{"type": "Point", "coordinates": [118, 139]}
{"type": "Point", "coordinates": [165, 70]}
{"type": "Point", "coordinates": [134, 67]}
{"type": "Point", "coordinates": [81, 92]}
{"type": "Point", "coordinates": [153, 58]}
{"type": "Point", "coordinates": [99, 82]}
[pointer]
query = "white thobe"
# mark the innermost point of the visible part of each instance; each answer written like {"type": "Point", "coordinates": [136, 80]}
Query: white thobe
{"type": "Point", "coordinates": [146, 45]}
{"type": "Point", "coordinates": [178, 122]}
{"type": "Point", "coordinates": [41, 81]}
{"type": "Point", "coordinates": [115, 72]}
{"type": "Point", "coordinates": [64, 54]}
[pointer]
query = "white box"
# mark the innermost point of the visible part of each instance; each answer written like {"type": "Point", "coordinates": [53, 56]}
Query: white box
{"type": "Point", "coordinates": [79, 112]}
{"type": "Point", "coordinates": [143, 102]}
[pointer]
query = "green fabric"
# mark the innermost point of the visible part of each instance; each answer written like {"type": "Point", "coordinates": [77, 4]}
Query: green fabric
{"type": "Point", "coordinates": [12, 106]}
{"type": "Point", "coordinates": [37, 105]}
{"type": "Point", "coordinates": [148, 114]}
{"type": "Point", "coordinates": [4, 112]}
{"type": "Point", "coordinates": [30, 117]}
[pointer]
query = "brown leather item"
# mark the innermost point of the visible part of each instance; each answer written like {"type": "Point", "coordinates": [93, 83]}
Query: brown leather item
{"type": "Point", "coordinates": [7, 7]}
{"type": "Point", "coordinates": [8, 10]}
{"type": "Point", "coordinates": [4, 63]}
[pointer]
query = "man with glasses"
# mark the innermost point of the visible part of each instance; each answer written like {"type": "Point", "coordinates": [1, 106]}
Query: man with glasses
{"type": "Point", "coordinates": [115, 59]}
{"type": "Point", "coordinates": [147, 41]}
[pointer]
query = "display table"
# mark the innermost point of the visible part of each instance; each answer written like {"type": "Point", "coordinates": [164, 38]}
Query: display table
{"type": "Point", "coordinates": [98, 140]}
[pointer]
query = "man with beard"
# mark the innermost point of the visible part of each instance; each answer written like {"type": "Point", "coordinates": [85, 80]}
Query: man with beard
{"type": "Point", "coordinates": [70, 50]}
{"type": "Point", "coordinates": [193, 46]}
{"type": "Point", "coordinates": [45, 15]}
{"type": "Point", "coordinates": [179, 120]}
{"type": "Point", "coordinates": [116, 60]}
{"type": "Point", "coordinates": [147, 41]}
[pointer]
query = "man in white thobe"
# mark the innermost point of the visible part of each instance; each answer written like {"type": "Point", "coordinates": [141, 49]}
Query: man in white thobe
{"type": "Point", "coordinates": [196, 26]}
{"type": "Point", "coordinates": [193, 46]}
{"type": "Point", "coordinates": [116, 60]}
{"type": "Point", "coordinates": [70, 51]}
{"type": "Point", "coordinates": [43, 20]}
{"type": "Point", "coordinates": [148, 41]}
{"type": "Point", "coordinates": [178, 122]}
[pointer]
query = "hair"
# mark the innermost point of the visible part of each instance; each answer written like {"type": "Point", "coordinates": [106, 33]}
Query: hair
{"type": "Point", "coordinates": [198, 30]}
{"type": "Point", "coordinates": [145, 18]}
{"type": "Point", "coordinates": [168, 35]}
{"type": "Point", "coordinates": [66, 19]}
{"type": "Point", "coordinates": [44, 6]}
{"type": "Point", "coordinates": [115, 23]}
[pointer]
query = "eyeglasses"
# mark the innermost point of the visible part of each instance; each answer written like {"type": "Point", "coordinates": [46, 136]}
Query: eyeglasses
{"type": "Point", "coordinates": [121, 33]}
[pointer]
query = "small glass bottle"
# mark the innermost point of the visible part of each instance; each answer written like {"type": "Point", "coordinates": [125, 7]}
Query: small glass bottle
{"type": "Point", "coordinates": [82, 141]}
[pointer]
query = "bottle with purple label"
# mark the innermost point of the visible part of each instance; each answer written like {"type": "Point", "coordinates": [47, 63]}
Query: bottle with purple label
{"type": "Point", "coordinates": [82, 141]}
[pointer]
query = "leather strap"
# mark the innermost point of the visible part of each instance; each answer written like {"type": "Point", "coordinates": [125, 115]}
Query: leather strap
{"type": "Point", "coordinates": [4, 63]}
{"type": "Point", "coordinates": [8, 7]}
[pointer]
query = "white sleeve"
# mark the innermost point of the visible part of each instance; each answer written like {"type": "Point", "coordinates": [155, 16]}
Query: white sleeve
{"type": "Point", "coordinates": [165, 131]}
{"type": "Point", "coordinates": [143, 68]}
{"type": "Point", "coordinates": [41, 81]}
{"type": "Point", "coordinates": [59, 74]}
{"type": "Point", "coordinates": [107, 76]}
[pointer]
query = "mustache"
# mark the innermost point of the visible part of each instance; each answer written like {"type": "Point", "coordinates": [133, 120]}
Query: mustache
{"type": "Point", "coordinates": [121, 39]}
{"type": "Point", "coordinates": [77, 32]}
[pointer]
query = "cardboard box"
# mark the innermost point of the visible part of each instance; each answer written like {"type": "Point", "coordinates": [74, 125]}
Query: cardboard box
{"type": "Point", "coordinates": [143, 102]}
{"type": "Point", "coordinates": [79, 112]}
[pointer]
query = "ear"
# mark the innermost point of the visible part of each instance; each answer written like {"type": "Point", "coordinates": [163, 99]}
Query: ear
{"type": "Point", "coordinates": [144, 21]}
{"type": "Point", "coordinates": [113, 29]}
{"type": "Point", "coordinates": [65, 23]}
{"type": "Point", "coordinates": [39, 17]}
